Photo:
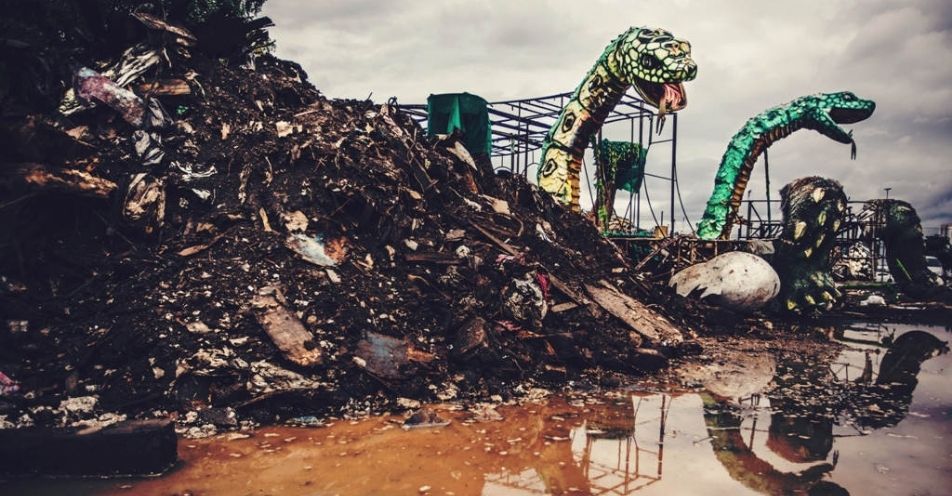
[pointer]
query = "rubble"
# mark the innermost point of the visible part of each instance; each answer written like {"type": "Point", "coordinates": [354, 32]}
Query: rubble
{"type": "Point", "coordinates": [160, 233]}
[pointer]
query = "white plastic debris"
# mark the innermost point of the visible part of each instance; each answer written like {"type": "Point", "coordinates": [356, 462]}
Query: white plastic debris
{"type": "Point", "coordinates": [315, 250]}
{"type": "Point", "coordinates": [874, 300]}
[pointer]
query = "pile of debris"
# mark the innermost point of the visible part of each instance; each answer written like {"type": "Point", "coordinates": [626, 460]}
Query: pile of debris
{"type": "Point", "coordinates": [194, 237]}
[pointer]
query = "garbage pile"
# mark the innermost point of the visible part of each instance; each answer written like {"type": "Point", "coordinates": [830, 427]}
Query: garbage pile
{"type": "Point", "coordinates": [217, 241]}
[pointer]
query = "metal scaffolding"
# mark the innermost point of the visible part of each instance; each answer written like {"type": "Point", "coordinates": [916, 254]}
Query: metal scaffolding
{"type": "Point", "coordinates": [860, 225]}
{"type": "Point", "coordinates": [519, 128]}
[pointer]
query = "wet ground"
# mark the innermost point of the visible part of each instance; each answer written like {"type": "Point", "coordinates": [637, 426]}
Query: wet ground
{"type": "Point", "coordinates": [876, 419]}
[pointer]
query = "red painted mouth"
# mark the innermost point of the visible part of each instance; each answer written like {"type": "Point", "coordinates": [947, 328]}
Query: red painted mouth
{"type": "Point", "coordinates": [667, 97]}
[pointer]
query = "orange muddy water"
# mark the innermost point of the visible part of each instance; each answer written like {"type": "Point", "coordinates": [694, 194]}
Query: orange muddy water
{"type": "Point", "coordinates": [885, 439]}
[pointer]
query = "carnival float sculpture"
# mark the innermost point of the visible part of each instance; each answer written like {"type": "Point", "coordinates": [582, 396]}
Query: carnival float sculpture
{"type": "Point", "coordinates": [652, 61]}
{"type": "Point", "coordinates": [822, 112]}
{"type": "Point", "coordinates": [813, 210]}
{"type": "Point", "coordinates": [901, 232]}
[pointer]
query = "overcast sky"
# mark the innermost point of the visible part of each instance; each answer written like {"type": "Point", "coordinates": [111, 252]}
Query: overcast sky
{"type": "Point", "coordinates": [751, 55]}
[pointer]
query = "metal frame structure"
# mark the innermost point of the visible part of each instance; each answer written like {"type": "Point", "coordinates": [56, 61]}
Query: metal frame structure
{"type": "Point", "coordinates": [519, 127]}
{"type": "Point", "coordinates": [859, 225]}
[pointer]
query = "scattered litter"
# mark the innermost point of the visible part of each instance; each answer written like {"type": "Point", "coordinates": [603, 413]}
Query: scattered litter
{"type": "Point", "coordinates": [286, 331]}
{"type": "Point", "coordinates": [316, 251]}
{"type": "Point", "coordinates": [144, 202]}
{"type": "Point", "coordinates": [90, 85]}
{"type": "Point", "coordinates": [193, 172]}
{"type": "Point", "coordinates": [388, 357]}
{"type": "Point", "coordinates": [148, 147]}
{"type": "Point", "coordinates": [425, 418]}
{"type": "Point", "coordinates": [295, 221]}
{"type": "Point", "coordinates": [408, 403]}
{"type": "Point", "coordinates": [198, 327]}
{"type": "Point", "coordinates": [524, 300]}
{"type": "Point", "coordinates": [18, 326]}
{"type": "Point", "coordinates": [874, 300]}
{"type": "Point", "coordinates": [285, 128]}
{"type": "Point", "coordinates": [79, 404]}
{"type": "Point", "coordinates": [7, 385]}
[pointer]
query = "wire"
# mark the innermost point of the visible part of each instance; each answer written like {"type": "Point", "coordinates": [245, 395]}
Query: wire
{"type": "Point", "coordinates": [677, 186]}
{"type": "Point", "coordinates": [644, 186]}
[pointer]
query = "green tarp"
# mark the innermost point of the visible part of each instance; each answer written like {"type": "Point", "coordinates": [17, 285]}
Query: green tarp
{"type": "Point", "coordinates": [626, 161]}
{"type": "Point", "coordinates": [451, 111]}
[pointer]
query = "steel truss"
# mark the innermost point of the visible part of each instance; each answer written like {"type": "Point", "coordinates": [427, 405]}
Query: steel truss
{"type": "Point", "coordinates": [519, 128]}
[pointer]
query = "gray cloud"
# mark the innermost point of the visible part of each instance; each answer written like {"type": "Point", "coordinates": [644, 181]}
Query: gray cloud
{"type": "Point", "coordinates": [752, 55]}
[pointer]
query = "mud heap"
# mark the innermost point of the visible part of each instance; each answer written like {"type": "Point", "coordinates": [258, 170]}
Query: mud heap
{"type": "Point", "coordinates": [214, 237]}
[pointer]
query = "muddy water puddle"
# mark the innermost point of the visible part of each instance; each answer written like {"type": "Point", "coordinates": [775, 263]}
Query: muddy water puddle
{"type": "Point", "coordinates": [876, 419]}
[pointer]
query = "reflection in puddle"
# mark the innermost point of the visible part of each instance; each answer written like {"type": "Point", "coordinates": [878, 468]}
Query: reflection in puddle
{"type": "Point", "coordinates": [874, 420]}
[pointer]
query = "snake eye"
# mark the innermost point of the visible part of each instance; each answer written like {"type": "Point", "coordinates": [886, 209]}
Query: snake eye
{"type": "Point", "coordinates": [849, 97]}
{"type": "Point", "coordinates": [649, 62]}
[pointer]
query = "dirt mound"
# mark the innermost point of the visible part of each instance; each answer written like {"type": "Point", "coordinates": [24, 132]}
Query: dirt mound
{"type": "Point", "coordinates": [248, 247]}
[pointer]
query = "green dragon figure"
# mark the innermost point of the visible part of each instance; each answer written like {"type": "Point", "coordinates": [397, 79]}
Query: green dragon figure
{"type": "Point", "coordinates": [821, 112]}
{"type": "Point", "coordinates": [901, 232]}
{"type": "Point", "coordinates": [813, 209]}
{"type": "Point", "coordinates": [651, 60]}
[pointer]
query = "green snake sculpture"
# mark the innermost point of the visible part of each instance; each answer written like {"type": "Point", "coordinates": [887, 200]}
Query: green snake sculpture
{"type": "Point", "coordinates": [821, 112]}
{"type": "Point", "coordinates": [653, 61]}
{"type": "Point", "coordinates": [813, 210]}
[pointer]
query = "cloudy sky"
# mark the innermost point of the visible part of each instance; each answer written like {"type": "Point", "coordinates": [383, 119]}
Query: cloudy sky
{"type": "Point", "coordinates": [751, 55]}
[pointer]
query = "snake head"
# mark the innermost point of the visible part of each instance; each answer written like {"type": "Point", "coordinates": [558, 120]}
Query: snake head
{"type": "Point", "coordinates": [831, 109]}
{"type": "Point", "coordinates": [846, 108]}
{"type": "Point", "coordinates": [656, 63]}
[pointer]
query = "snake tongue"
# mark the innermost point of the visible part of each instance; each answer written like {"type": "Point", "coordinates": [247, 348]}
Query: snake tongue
{"type": "Point", "coordinates": [673, 97]}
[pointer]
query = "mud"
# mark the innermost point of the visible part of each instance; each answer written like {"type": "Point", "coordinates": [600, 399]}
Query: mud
{"type": "Point", "coordinates": [775, 423]}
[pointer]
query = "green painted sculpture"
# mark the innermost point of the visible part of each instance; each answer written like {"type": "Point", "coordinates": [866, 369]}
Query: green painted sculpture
{"type": "Point", "coordinates": [813, 209]}
{"type": "Point", "coordinates": [901, 232]}
{"type": "Point", "coordinates": [653, 61]}
{"type": "Point", "coordinates": [618, 165]}
{"type": "Point", "coordinates": [822, 112]}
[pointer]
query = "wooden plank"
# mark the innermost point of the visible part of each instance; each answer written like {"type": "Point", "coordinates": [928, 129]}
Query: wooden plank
{"type": "Point", "coordinates": [134, 447]}
{"type": "Point", "coordinates": [643, 320]}
{"type": "Point", "coordinates": [563, 307]}
{"type": "Point", "coordinates": [432, 257]}
{"type": "Point", "coordinates": [165, 87]}
{"type": "Point", "coordinates": [45, 178]}
{"type": "Point", "coordinates": [287, 332]}
{"type": "Point", "coordinates": [661, 246]}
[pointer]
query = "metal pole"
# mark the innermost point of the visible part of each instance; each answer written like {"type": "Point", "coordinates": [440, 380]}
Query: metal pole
{"type": "Point", "coordinates": [674, 169]}
{"type": "Point", "coordinates": [631, 197]}
{"type": "Point", "coordinates": [521, 125]}
{"type": "Point", "coordinates": [641, 141]}
{"type": "Point", "coordinates": [767, 179]}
